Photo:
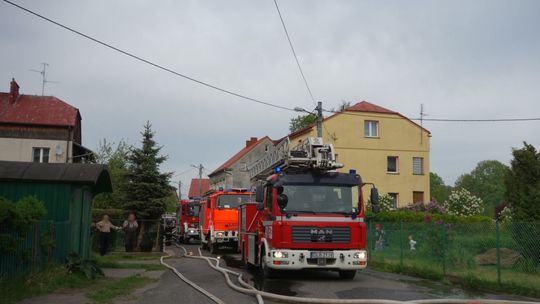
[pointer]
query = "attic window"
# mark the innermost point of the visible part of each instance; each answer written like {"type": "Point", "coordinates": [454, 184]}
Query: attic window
{"type": "Point", "coordinates": [371, 128]}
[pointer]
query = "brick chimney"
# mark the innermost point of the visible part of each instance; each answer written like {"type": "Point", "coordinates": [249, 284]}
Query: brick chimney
{"type": "Point", "coordinates": [250, 142]}
{"type": "Point", "coordinates": [13, 91]}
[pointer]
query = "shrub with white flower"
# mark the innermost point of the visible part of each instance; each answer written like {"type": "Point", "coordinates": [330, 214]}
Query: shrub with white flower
{"type": "Point", "coordinates": [461, 202]}
{"type": "Point", "coordinates": [385, 203]}
{"type": "Point", "coordinates": [506, 215]}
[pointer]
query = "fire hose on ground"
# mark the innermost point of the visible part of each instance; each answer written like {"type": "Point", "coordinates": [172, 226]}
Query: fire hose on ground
{"type": "Point", "coordinates": [250, 290]}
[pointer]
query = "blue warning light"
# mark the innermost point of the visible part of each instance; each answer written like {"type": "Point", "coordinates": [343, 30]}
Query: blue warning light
{"type": "Point", "coordinates": [277, 170]}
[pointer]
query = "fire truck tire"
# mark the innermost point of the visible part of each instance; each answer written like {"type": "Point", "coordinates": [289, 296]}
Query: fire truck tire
{"type": "Point", "coordinates": [204, 245]}
{"type": "Point", "coordinates": [213, 247]}
{"type": "Point", "coordinates": [347, 274]}
{"type": "Point", "coordinates": [267, 273]}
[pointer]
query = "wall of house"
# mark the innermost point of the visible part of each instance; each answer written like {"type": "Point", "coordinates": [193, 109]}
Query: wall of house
{"type": "Point", "coordinates": [397, 137]}
{"type": "Point", "coordinates": [237, 176]}
{"type": "Point", "coordinates": [21, 149]}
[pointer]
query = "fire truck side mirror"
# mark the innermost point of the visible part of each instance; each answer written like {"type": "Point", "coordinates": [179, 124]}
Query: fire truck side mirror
{"type": "Point", "coordinates": [259, 194]}
{"type": "Point", "coordinates": [374, 197]}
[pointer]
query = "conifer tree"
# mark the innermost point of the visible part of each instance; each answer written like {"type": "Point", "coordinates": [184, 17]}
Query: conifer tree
{"type": "Point", "coordinates": [147, 189]}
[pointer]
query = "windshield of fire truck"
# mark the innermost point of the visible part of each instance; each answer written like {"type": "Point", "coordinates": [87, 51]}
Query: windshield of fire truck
{"type": "Point", "coordinates": [193, 209]}
{"type": "Point", "coordinates": [232, 200]}
{"type": "Point", "coordinates": [322, 198]}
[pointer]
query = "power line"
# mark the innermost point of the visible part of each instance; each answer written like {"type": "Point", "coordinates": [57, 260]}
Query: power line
{"type": "Point", "coordinates": [148, 61]}
{"type": "Point", "coordinates": [436, 119]}
{"type": "Point", "coordinates": [481, 120]}
{"type": "Point", "coordinates": [294, 53]}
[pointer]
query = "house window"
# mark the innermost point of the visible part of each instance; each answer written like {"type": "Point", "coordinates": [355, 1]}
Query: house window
{"type": "Point", "coordinates": [392, 164]}
{"type": "Point", "coordinates": [418, 165]}
{"type": "Point", "coordinates": [395, 199]}
{"type": "Point", "coordinates": [41, 155]}
{"type": "Point", "coordinates": [371, 128]}
{"type": "Point", "coordinates": [418, 196]}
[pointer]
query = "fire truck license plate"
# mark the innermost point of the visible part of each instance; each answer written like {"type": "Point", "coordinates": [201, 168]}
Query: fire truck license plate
{"type": "Point", "coordinates": [322, 255]}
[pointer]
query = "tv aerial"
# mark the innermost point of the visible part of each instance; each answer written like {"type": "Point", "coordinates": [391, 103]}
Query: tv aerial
{"type": "Point", "coordinates": [44, 80]}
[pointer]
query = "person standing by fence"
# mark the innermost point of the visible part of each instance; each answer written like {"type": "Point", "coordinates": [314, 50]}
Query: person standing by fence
{"type": "Point", "coordinates": [104, 226]}
{"type": "Point", "coordinates": [130, 228]}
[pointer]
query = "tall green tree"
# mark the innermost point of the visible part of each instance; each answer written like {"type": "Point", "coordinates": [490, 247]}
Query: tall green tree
{"type": "Point", "coordinates": [301, 121]}
{"type": "Point", "coordinates": [147, 188]}
{"type": "Point", "coordinates": [523, 198]}
{"type": "Point", "coordinates": [486, 181]}
{"type": "Point", "coordinates": [438, 189]}
{"type": "Point", "coordinates": [523, 184]}
{"type": "Point", "coordinates": [115, 157]}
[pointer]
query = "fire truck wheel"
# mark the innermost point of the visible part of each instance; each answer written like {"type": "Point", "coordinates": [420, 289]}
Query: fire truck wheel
{"type": "Point", "coordinates": [213, 248]}
{"type": "Point", "coordinates": [347, 274]}
{"type": "Point", "coordinates": [267, 273]}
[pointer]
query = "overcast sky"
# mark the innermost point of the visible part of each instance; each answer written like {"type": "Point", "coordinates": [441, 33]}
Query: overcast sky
{"type": "Point", "coordinates": [461, 59]}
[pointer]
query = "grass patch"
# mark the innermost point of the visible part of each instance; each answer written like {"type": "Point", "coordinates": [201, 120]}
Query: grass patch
{"type": "Point", "coordinates": [118, 288]}
{"type": "Point", "coordinates": [14, 289]}
{"type": "Point", "coordinates": [481, 278]}
{"type": "Point", "coordinates": [128, 261]}
{"type": "Point", "coordinates": [128, 265]}
{"type": "Point", "coordinates": [128, 256]}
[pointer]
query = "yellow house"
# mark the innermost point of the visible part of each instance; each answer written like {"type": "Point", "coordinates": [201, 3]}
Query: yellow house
{"type": "Point", "coordinates": [383, 146]}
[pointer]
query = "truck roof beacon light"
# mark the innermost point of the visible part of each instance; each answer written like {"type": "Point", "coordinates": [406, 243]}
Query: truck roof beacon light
{"type": "Point", "coordinates": [352, 171]}
{"type": "Point", "coordinates": [277, 170]}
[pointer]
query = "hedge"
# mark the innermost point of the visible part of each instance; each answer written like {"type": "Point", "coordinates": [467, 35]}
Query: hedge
{"type": "Point", "coordinates": [418, 217]}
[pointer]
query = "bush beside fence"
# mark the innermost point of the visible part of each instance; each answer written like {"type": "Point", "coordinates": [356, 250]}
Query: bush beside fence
{"type": "Point", "coordinates": [484, 254]}
{"type": "Point", "coordinates": [46, 242]}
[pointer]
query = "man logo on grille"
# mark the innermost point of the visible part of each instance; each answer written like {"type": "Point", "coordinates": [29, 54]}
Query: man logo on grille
{"type": "Point", "coordinates": [321, 235]}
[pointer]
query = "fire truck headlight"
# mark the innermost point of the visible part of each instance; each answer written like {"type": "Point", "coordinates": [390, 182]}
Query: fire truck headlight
{"type": "Point", "coordinates": [280, 254]}
{"type": "Point", "coordinates": [362, 255]}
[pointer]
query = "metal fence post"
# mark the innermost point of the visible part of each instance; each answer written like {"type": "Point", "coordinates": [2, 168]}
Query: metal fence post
{"type": "Point", "coordinates": [498, 238]}
{"type": "Point", "coordinates": [401, 243]}
{"type": "Point", "coordinates": [443, 247]}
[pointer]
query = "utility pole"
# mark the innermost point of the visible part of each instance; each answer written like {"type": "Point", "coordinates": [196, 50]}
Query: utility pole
{"type": "Point", "coordinates": [200, 167]}
{"type": "Point", "coordinates": [319, 118]}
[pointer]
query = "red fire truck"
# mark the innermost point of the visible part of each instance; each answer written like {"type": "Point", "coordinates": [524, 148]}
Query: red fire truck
{"type": "Point", "coordinates": [187, 220]}
{"type": "Point", "coordinates": [218, 217]}
{"type": "Point", "coordinates": [306, 214]}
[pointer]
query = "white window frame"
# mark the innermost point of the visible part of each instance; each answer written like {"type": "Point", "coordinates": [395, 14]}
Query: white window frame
{"type": "Point", "coordinates": [41, 154]}
{"type": "Point", "coordinates": [421, 165]}
{"type": "Point", "coordinates": [369, 124]}
{"type": "Point", "coordinates": [396, 201]}
{"type": "Point", "coordinates": [397, 164]}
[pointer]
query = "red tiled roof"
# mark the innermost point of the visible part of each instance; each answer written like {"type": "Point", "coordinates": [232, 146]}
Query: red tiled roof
{"type": "Point", "coordinates": [365, 106]}
{"type": "Point", "coordinates": [194, 187]}
{"type": "Point", "coordinates": [37, 110]}
{"type": "Point", "coordinates": [362, 106]}
{"type": "Point", "coordinates": [231, 161]}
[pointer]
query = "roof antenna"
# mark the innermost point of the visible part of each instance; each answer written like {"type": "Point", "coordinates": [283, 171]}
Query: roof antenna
{"type": "Point", "coordinates": [44, 80]}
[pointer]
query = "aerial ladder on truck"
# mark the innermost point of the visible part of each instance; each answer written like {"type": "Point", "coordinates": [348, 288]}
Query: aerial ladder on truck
{"type": "Point", "coordinates": [306, 215]}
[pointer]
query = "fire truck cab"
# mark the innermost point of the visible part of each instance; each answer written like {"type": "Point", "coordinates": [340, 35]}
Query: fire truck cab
{"type": "Point", "coordinates": [218, 218]}
{"type": "Point", "coordinates": [188, 220]}
{"type": "Point", "coordinates": [306, 216]}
